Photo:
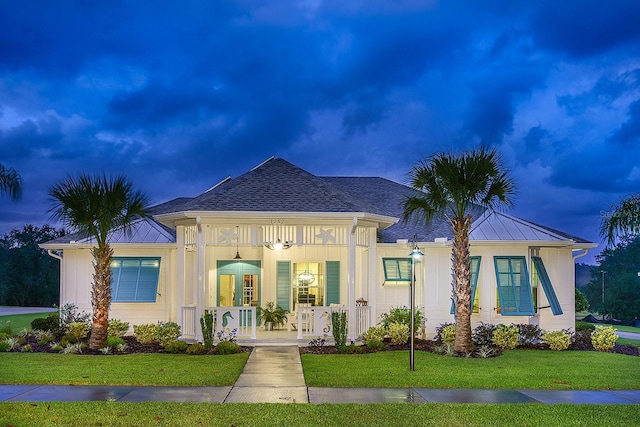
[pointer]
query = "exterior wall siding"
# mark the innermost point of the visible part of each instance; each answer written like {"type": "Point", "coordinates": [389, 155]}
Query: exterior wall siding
{"type": "Point", "coordinates": [433, 278]}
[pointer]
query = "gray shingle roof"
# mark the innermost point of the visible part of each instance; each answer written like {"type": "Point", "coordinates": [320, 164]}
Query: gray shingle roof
{"type": "Point", "coordinates": [277, 186]}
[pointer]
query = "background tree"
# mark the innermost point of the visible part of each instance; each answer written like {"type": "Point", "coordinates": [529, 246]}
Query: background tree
{"type": "Point", "coordinates": [28, 275]}
{"type": "Point", "coordinates": [95, 206]}
{"type": "Point", "coordinates": [10, 182]}
{"type": "Point", "coordinates": [581, 301]}
{"type": "Point", "coordinates": [455, 185]}
{"type": "Point", "coordinates": [622, 219]}
{"type": "Point", "coordinates": [622, 284]}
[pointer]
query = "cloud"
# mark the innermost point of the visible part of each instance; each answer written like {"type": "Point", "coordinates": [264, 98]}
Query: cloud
{"type": "Point", "coordinates": [583, 28]}
{"type": "Point", "coordinates": [628, 135]}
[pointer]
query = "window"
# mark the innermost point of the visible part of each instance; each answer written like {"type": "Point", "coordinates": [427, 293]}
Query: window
{"type": "Point", "coordinates": [541, 271]}
{"type": "Point", "coordinates": [308, 287]}
{"type": "Point", "coordinates": [514, 289]}
{"type": "Point", "coordinates": [397, 271]}
{"type": "Point", "coordinates": [475, 269]}
{"type": "Point", "coordinates": [134, 279]}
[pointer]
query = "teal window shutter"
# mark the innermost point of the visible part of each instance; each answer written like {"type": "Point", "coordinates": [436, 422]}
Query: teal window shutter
{"type": "Point", "coordinates": [397, 269]}
{"type": "Point", "coordinates": [475, 269]}
{"type": "Point", "coordinates": [333, 282]}
{"type": "Point", "coordinates": [134, 279]}
{"type": "Point", "coordinates": [283, 284]}
{"type": "Point", "coordinates": [547, 286]}
{"type": "Point", "coordinates": [514, 289]}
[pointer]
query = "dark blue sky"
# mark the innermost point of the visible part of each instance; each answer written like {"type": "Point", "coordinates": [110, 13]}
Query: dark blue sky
{"type": "Point", "coordinates": [179, 95]}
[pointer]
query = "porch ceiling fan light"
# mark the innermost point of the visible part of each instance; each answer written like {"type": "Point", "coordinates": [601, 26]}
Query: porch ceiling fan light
{"type": "Point", "coordinates": [278, 245]}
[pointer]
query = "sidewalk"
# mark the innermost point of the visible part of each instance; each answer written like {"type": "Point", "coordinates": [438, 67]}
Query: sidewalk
{"type": "Point", "coordinates": [273, 374]}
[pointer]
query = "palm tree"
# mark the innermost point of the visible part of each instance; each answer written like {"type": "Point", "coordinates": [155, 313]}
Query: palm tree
{"type": "Point", "coordinates": [452, 185]}
{"type": "Point", "coordinates": [94, 206]}
{"type": "Point", "coordinates": [10, 182]}
{"type": "Point", "coordinates": [623, 218]}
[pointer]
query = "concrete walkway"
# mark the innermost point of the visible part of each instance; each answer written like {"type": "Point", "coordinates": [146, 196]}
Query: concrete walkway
{"type": "Point", "coordinates": [273, 374]}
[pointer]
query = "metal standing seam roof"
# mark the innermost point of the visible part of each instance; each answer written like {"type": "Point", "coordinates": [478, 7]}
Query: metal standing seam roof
{"type": "Point", "coordinates": [142, 231]}
{"type": "Point", "coordinates": [501, 226]}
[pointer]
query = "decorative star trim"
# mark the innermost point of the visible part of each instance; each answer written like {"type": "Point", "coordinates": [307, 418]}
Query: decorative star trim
{"type": "Point", "coordinates": [326, 236]}
{"type": "Point", "coordinates": [227, 234]}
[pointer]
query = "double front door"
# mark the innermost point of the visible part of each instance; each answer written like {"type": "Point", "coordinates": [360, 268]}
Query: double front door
{"type": "Point", "coordinates": [238, 283]}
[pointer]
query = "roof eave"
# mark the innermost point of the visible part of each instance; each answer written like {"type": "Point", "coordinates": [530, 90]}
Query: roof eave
{"type": "Point", "coordinates": [170, 218]}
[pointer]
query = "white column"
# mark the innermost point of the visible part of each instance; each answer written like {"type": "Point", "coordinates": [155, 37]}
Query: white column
{"type": "Point", "coordinates": [180, 265]}
{"type": "Point", "coordinates": [372, 285]}
{"type": "Point", "coordinates": [199, 291]}
{"type": "Point", "coordinates": [351, 279]}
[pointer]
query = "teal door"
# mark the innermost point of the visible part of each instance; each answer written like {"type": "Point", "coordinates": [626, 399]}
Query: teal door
{"type": "Point", "coordinates": [238, 284]}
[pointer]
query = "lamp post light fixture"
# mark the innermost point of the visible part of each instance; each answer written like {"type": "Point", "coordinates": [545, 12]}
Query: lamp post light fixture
{"type": "Point", "coordinates": [415, 255]}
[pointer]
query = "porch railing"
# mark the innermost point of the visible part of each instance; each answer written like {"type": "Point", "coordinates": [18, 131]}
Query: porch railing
{"type": "Point", "coordinates": [315, 321]}
{"type": "Point", "coordinates": [227, 319]}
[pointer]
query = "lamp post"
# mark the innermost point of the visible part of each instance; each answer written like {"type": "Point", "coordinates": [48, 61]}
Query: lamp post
{"type": "Point", "coordinates": [415, 255]}
{"type": "Point", "coordinates": [603, 309]}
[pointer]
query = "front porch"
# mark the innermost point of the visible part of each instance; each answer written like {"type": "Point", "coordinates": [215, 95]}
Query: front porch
{"type": "Point", "coordinates": [304, 325]}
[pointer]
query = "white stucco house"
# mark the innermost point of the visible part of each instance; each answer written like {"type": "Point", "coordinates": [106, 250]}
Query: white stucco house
{"type": "Point", "coordinates": [311, 244]}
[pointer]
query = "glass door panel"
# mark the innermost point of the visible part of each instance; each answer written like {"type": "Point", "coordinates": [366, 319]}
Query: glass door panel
{"type": "Point", "coordinates": [227, 290]}
{"type": "Point", "coordinates": [250, 290]}
{"type": "Point", "coordinates": [238, 283]}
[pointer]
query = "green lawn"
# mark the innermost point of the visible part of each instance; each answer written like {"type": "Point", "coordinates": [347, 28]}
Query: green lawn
{"type": "Point", "coordinates": [352, 415]}
{"type": "Point", "coordinates": [528, 369]}
{"type": "Point", "coordinates": [20, 321]}
{"type": "Point", "coordinates": [131, 369]}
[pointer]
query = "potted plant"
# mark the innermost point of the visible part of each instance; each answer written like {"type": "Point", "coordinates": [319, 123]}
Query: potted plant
{"type": "Point", "coordinates": [272, 316]}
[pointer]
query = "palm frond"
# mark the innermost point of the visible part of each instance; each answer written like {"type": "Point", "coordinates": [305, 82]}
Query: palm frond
{"type": "Point", "coordinates": [622, 219]}
{"type": "Point", "coordinates": [10, 182]}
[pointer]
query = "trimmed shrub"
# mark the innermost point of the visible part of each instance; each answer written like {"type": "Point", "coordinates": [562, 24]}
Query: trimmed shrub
{"type": "Point", "coordinates": [49, 323]}
{"type": "Point", "coordinates": [585, 326]}
{"type": "Point", "coordinates": [350, 349]}
{"type": "Point", "coordinates": [27, 349]}
{"type": "Point", "coordinates": [438, 336]}
{"type": "Point", "coordinates": [117, 328]}
{"type": "Point", "coordinates": [70, 313]}
{"type": "Point", "coordinates": [399, 333]}
{"type": "Point", "coordinates": [557, 340]}
{"type": "Point", "coordinates": [530, 335]}
{"type": "Point", "coordinates": [375, 345]}
{"type": "Point", "coordinates": [176, 346]}
{"type": "Point", "coordinates": [196, 348]}
{"type": "Point", "coordinates": [227, 347]}
{"type": "Point", "coordinates": [339, 327]}
{"type": "Point", "coordinates": [581, 340]}
{"type": "Point", "coordinates": [448, 334]}
{"type": "Point", "coordinates": [374, 333]}
{"type": "Point", "coordinates": [604, 338]}
{"type": "Point", "coordinates": [506, 337]}
{"type": "Point", "coordinates": [114, 341]}
{"type": "Point", "coordinates": [79, 330]}
{"type": "Point", "coordinates": [206, 323]}
{"type": "Point", "coordinates": [5, 328]}
{"type": "Point", "coordinates": [4, 346]}
{"type": "Point", "coordinates": [402, 315]}
{"type": "Point", "coordinates": [167, 332]}
{"type": "Point", "coordinates": [482, 334]}
{"type": "Point", "coordinates": [146, 334]}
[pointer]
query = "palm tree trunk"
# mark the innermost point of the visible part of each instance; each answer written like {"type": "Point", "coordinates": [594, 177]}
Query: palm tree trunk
{"type": "Point", "coordinates": [100, 295]}
{"type": "Point", "coordinates": [462, 283]}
